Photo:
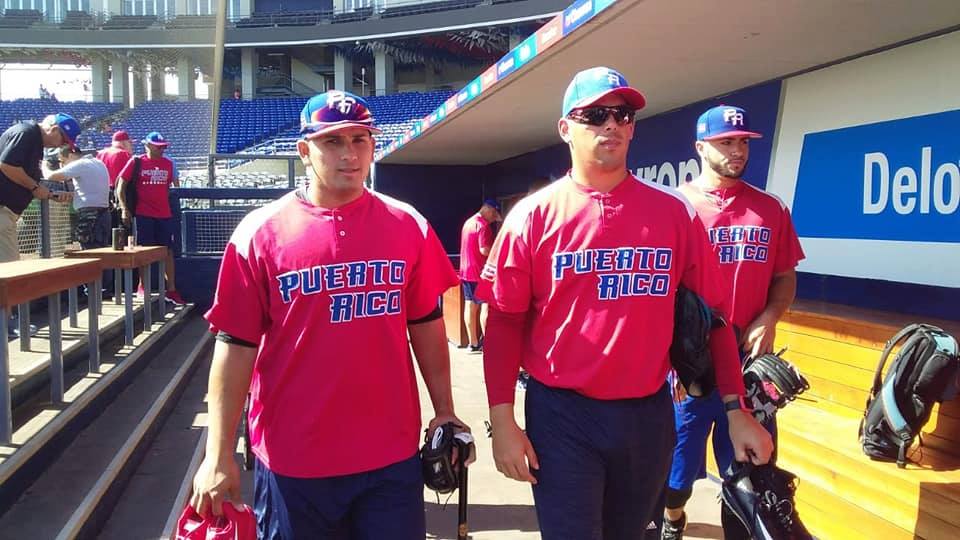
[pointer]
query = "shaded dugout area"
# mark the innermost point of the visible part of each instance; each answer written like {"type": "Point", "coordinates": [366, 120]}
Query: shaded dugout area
{"type": "Point", "coordinates": [686, 58]}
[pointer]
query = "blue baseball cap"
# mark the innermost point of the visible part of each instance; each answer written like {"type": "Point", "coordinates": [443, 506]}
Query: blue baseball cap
{"type": "Point", "coordinates": [724, 121]}
{"type": "Point", "coordinates": [333, 111]}
{"type": "Point", "coordinates": [591, 85]}
{"type": "Point", "coordinates": [156, 139]}
{"type": "Point", "coordinates": [492, 203]}
{"type": "Point", "coordinates": [68, 126]}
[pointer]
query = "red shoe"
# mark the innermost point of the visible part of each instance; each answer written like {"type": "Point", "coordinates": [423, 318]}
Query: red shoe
{"type": "Point", "coordinates": [174, 296]}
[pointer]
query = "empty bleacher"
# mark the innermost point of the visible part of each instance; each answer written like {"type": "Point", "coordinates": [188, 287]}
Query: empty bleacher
{"type": "Point", "coordinates": [20, 18]}
{"type": "Point", "coordinates": [130, 22]}
{"type": "Point", "coordinates": [37, 109]}
{"type": "Point", "coordinates": [186, 124]}
{"type": "Point", "coordinates": [191, 21]}
{"type": "Point", "coordinates": [416, 8]}
{"type": "Point", "coordinates": [78, 20]}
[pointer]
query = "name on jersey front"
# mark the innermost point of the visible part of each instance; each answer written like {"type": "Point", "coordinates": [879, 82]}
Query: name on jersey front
{"type": "Point", "coordinates": [741, 243]}
{"type": "Point", "coordinates": [349, 303]}
{"type": "Point", "coordinates": [620, 272]}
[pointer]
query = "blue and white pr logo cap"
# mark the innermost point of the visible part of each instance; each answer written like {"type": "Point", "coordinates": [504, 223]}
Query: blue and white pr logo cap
{"type": "Point", "coordinates": [591, 85]}
{"type": "Point", "coordinates": [723, 122]}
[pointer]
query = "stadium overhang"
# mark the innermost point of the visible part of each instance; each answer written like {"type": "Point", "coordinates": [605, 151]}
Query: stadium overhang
{"type": "Point", "coordinates": [677, 53]}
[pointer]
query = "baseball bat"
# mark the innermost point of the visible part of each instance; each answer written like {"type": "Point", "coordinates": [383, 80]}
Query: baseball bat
{"type": "Point", "coordinates": [462, 506]}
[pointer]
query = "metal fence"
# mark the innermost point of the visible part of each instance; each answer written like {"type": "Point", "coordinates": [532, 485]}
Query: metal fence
{"type": "Point", "coordinates": [46, 229]}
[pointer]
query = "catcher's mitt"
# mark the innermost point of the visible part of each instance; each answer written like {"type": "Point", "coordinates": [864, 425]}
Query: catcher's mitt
{"type": "Point", "coordinates": [771, 382]}
{"type": "Point", "coordinates": [440, 473]}
{"type": "Point", "coordinates": [761, 496]}
{"type": "Point", "coordinates": [690, 351]}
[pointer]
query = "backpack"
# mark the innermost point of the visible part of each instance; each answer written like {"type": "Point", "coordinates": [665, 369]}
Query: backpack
{"type": "Point", "coordinates": [130, 189]}
{"type": "Point", "coordinates": [924, 371]}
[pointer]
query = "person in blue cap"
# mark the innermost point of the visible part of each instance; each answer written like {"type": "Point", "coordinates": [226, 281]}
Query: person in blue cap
{"type": "Point", "coordinates": [21, 151]}
{"type": "Point", "coordinates": [758, 249]}
{"type": "Point", "coordinates": [151, 176]}
{"type": "Point", "coordinates": [476, 238]}
{"type": "Point", "coordinates": [321, 297]}
{"type": "Point", "coordinates": [581, 283]}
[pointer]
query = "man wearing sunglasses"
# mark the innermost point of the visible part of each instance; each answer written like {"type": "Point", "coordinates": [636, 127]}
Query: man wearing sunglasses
{"type": "Point", "coordinates": [581, 283]}
{"type": "Point", "coordinates": [317, 294]}
{"type": "Point", "coordinates": [758, 248]}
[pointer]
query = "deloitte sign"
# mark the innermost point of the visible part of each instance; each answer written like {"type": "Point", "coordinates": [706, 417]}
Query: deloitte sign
{"type": "Point", "coordinates": [896, 180]}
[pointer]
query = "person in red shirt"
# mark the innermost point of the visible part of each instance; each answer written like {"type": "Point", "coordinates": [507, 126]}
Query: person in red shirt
{"type": "Point", "coordinates": [476, 238]}
{"type": "Point", "coordinates": [116, 156]}
{"type": "Point", "coordinates": [155, 225]}
{"type": "Point", "coordinates": [758, 249]}
{"type": "Point", "coordinates": [313, 309]}
{"type": "Point", "coordinates": [581, 283]}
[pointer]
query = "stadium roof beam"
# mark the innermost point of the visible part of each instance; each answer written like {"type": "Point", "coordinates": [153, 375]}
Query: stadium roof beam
{"type": "Point", "coordinates": [677, 53]}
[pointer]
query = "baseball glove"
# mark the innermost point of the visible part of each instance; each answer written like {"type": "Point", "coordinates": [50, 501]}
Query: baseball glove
{"type": "Point", "coordinates": [690, 351]}
{"type": "Point", "coordinates": [771, 382]}
{"type": "Point", "coordinates": [761, 496]}
{"type": "Point", "coordinates": [440, 473]}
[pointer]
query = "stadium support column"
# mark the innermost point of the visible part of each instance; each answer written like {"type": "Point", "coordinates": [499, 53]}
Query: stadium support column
{"type": "Point", "coordinates": [248, 72]}
{"type": "Point", "coordinates": [383, 76]}
{"type": "Point", "coordinates": [157, 82]}
{"type": "Point", "coordinates": [120, 83]}
{"type": "Point", "coordinates": [342, 73]}
{"type": "Point", "coordinates": [244, 8]}
{"type": "Point", "coordinates": [100, 93]}
{"type": "Point", "coordinates": [139, 87]}
{"type": "Point", "coordinates": [184, 79]}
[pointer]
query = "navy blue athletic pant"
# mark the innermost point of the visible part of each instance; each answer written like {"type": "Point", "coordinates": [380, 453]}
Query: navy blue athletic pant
{"type": "Point", "coordinates": [603, 463]}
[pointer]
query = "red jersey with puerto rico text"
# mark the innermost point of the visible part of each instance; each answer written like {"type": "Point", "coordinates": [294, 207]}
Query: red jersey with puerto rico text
{"type": "Point", "coordinates": [753, 236]}
{"type": "Point", "coordinates": [327, 294]}
{"type": "Point", "coordinates": [476, 234]}
{"type": "Point", "coordinates": [597, 274]}
{"type": "Point", "coordinates": [153, 186]}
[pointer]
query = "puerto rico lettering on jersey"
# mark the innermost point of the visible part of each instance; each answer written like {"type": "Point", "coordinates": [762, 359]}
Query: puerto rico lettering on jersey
{"type": "Point", "coordinates": [741, 243]}
{"type": "Point", "coordinates": [621, 272]}
{"type": "Point", "coordinates": [346, 304]}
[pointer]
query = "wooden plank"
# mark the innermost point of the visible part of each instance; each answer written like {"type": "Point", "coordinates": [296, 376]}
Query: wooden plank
{"type": "Point", "coordinates": [897, 502]}
{"type": "Point", "coordinates": [828, 349]}
{"type": "Point", "coordinates": [888, 320]}
{"type": "Point", "coordinates": [126, 258]}
{"type": "Point", "coordinates": [453, 316]}
{"type": "Point", "coordinates": [22, 281]}
{"type": "Point", "coordinates": [841, 513]}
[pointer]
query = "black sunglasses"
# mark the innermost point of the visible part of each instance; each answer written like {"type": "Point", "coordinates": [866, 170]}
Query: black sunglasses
{"type": "Point", "coordinates": [597, 116]}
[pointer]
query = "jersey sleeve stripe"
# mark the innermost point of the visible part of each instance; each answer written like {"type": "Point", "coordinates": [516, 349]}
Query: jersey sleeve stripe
{"type": "Point", "coordinates": [783, 205]}
{"type": "Point", "coordinates": [243, 235]}
{"type": "Point", "coordinates": [406, 208]}
{"type": "Point", "coordinates": [691, 211]}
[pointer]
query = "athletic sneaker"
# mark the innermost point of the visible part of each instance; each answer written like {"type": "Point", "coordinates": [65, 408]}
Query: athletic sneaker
{"type": "Point", "coordinates": [476, 348]}
{"type": "Point", "coordinates": [13, 329]}
{"type": "Point", "coordinates": [174, 297]}
{"type": "Point", "coordinates": [673, 530]}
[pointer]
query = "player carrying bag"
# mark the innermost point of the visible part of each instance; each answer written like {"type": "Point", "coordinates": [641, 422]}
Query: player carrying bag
{"type": "Point", "coordinates": [924, 371]}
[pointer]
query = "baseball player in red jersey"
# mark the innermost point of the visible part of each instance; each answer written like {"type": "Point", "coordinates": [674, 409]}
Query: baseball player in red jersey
{"type": "Point", "coordinates": [476, 237]}
{"type": "Point", "coordinates": [581, 282]}
{"type": "Point", "coordinates": [313, 309]}
{"type": "Point", "coordinates": [758, 249]}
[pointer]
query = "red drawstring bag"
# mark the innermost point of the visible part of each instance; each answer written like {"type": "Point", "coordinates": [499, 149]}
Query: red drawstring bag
{"type": "Point", "coordinates": [232, 525]}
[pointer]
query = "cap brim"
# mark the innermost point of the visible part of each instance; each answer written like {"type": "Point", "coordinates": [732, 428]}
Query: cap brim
{"type": "Point", "coordinates": [732, 134]}
{"type": "Point", "coordinates": [333, 128]}
{"type": "Point", "coordinates": [631, 95]}
{"type": "Point", "coordinates": [160, 144]}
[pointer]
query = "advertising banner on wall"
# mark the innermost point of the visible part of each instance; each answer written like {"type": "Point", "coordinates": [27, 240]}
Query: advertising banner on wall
{"type": "Point", "coordinates": [870, 165]}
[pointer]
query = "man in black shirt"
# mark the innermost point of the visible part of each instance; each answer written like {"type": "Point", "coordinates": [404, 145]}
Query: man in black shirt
{"type": "Point", "coordinates": [21, 149]}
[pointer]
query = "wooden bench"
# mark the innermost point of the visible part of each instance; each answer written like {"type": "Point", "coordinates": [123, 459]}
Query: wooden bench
{"type": "Point", "coordinates": [842, 493]}
{"type": "Point", "coordinates": [453, 303]}
{"type": "Point", "coordinates": [127, 260]}
{"type": "Point", "coordinates": [23, 281]}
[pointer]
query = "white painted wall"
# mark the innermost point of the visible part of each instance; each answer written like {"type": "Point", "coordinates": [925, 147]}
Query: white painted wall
{"type": "Point", "coordinates": [304, 75]}
{"type": "Point", "coordinates": [917, 79]}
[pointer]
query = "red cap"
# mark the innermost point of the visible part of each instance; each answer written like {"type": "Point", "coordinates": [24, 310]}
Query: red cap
{"type": "Point", "coordinates": [121, 136]}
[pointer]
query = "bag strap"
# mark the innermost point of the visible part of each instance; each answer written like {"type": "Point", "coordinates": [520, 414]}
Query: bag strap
{"type": "Point", "coordinates": [135, 177]}
{"type": "Point", "coordinates": [891, 343]}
